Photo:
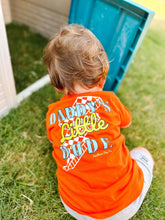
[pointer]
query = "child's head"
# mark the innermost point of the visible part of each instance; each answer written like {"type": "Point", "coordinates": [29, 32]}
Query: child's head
{"type": "Point", "coordinates": [75, 56]}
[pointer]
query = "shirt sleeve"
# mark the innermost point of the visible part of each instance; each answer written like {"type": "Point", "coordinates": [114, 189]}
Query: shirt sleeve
{"type": "Point", "coordinates": [51, 124]}
{"type": "Point", "coordinates": [125, 114]}
{"type": "Point", "coordinates": [49, 127]}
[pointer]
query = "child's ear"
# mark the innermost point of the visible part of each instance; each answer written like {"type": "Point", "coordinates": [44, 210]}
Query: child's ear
{"type": "Point", "coordinates": [59, 90]}
{"type": "Point", "coordinates": [101, 83]}
{"type": "Point", "coordinates": [62, 90]}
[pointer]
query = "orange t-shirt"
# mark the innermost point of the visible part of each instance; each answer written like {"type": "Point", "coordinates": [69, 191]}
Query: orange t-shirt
{"type": "Point", "coordinates": [96, 174]}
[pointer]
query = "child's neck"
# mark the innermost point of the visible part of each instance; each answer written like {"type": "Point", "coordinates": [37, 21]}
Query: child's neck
{"type": "Point", "coordinates": [79, 89]}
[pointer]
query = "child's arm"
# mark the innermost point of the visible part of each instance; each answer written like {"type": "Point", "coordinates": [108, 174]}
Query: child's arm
{"type": "Point", "coordinates": [125, 114]}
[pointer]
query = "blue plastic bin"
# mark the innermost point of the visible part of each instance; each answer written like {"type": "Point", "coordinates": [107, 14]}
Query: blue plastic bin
{"type": "Point", "coordinates": [120, 25]}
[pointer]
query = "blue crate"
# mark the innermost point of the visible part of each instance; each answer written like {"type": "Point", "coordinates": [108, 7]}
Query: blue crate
{"type": "Point", "coordinates": [120, 25]}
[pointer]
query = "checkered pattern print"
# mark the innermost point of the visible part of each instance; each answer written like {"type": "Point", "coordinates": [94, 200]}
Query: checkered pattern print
{"type": "Point", "coordinates": [72, 161]}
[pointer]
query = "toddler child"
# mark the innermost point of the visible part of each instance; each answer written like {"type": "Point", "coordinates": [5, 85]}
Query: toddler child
{"type": "Point", "coordinates": [98, 178]}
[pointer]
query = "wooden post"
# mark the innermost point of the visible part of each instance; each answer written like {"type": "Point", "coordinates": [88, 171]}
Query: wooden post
{"type": "Point", "coordinates": [6, 11]}
{"type": "Point", "coordinates": [7, 85]}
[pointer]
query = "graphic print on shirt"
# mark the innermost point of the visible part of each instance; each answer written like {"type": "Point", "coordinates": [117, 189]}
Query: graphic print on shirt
{"type": "Point", "coordinates": [83, 120]}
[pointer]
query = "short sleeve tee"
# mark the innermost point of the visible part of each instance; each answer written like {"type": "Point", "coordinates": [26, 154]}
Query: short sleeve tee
{"type": "Point", "coordinates": [96, 174]}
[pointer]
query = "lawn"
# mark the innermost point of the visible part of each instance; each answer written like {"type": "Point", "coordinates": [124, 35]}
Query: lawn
{"type": "Point", "coordinates": [28, 186]}
{"type": "Point", "coordinates": [26, 49]}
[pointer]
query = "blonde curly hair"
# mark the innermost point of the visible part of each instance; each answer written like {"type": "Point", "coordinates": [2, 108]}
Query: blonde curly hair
{"type": "Point", "coordinates": [75, 55]}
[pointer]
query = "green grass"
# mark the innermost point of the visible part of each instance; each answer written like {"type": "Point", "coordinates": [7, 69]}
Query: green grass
{"type": "Point", "coordinates": [28, 186]}
{"type": "Point", "coordinates": [26, 49]}
{"type": "Point", "coordinates": [143, 92]}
